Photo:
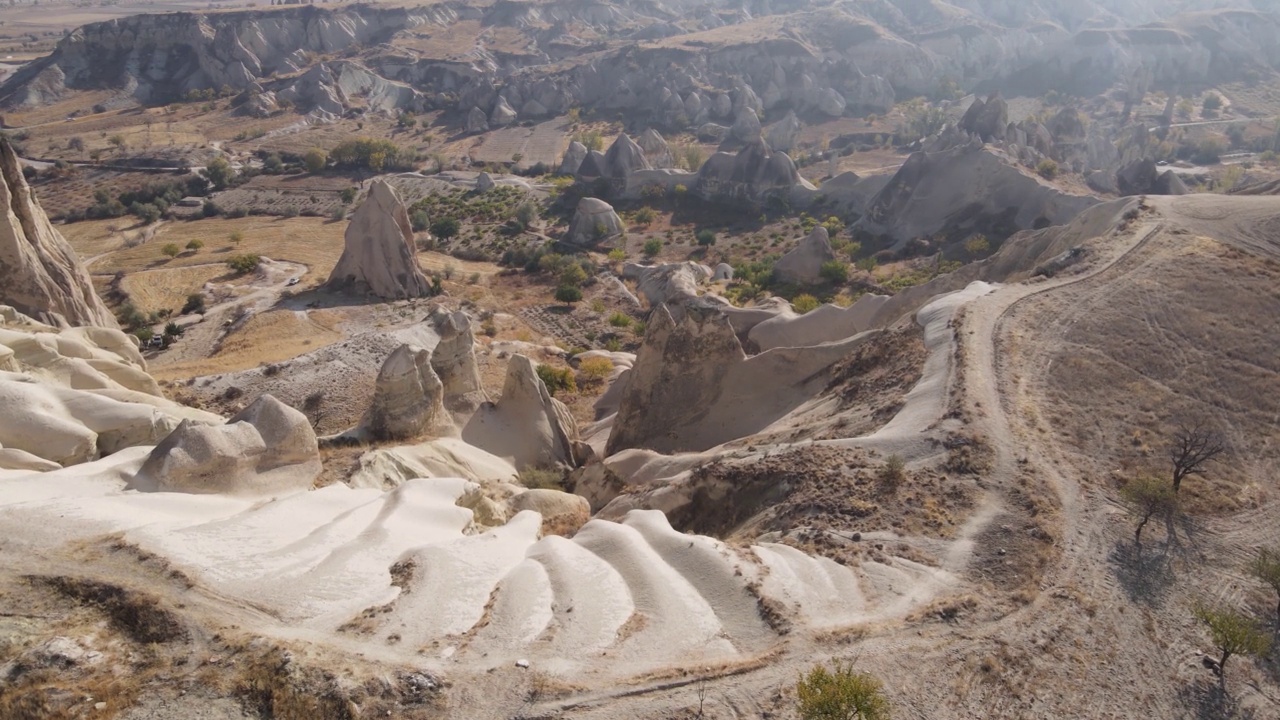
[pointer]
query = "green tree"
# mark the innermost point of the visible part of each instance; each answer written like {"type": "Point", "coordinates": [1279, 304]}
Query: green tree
{"type": "Point", "coordinates": [568, 294]}
{"type": "Point", "coordinates": [419, 220]}
{"type": "Point", "coordinates": [171, 249]}
{"type": "Point", "coordinates": [526, 213]}
{"type": "Point", "coordinates": [1266, 567]}
{"type": "Point", "coordinates": [1233, 633]}
{"type": "Point", "coordinates": [445, 228]}
{"type": "Point", "coordinates": [173, 330]}
{"type": "Point", "coordinates": [195, 245]}
{"type": "Point", "coordinates": [841, 694]}
{"type": "Point", "coordinates": [1212, 103]}
{"type": "Point", "coordinates": [219, 172]}
{"type": "Point", "coordinates": [652, 247]}
{"type": "Point", "coordinates": [572, 276]}
{"type": "Point", "coordinates": [194, 304]}
{"type": "Point", "coordinates": [706, 238]}
{"type": "Point", "coordinates": [236, 237]}
{"type": "Point", "coordinates": [118, 141]}
{"type": "Point", "coordinates": [1145, 497]}
{"type": "Point", "coordinates": [1047, 169]}
{"type": "Point", "coordinates": [241, 264]}
{"type": "Point", "coordinates": [315, 160]}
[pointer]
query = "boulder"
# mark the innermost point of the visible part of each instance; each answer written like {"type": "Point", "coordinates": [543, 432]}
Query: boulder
{"type": "Point", "coordinates": [379, 256]}
{"type": "Point", "coordinates": [476, 121]}
{"type": "Point", "coordinates": [711, 132]}
{"type": "Point", "coordinates": [484, 182]}
{"type": "Point", "coordinates": [408, 396]}
{"type": "Point", "coordinates": [533, 109]}
{"type": "Point", "coordinates": [830, 103]}
{"type": "Point", "coordinates": [268, 448]}
{"type": "Point", "coordinates": [988, 120]}
{"type": "Point", "coordinates": [723, 271]}
{"type": "Point", "coordinates": [573, 158]}
{"type": "Point", "coordinates": [1143, 177]}
{"type": "Point", "coordinates": [803, 265]}
{"type": "Point", "coordinates": [40, 275]}
{"type": "Point", "coordinates": [594, 221]}
{"type": "Point", "coordinates": [562, 513]}
{"type": "Point", "coordinates": [622, 158]}
{"type": "Point", "coordinates": [502, 115]}
{"type": "Point", "coordinates": [526, 426]}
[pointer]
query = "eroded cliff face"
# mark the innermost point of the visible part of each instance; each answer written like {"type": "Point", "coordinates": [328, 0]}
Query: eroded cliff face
{"type": "Point", "coordinates": [40, 274]}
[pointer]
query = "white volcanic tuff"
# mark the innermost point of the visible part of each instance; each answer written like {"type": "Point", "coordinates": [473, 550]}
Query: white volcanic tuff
{"type": "Point", "coordinates": [72, 395]}
{"type": "Point", "coordinates": [638, 590]}
{"type": "Point", "coordinates": [594, 220]}
{"type": "Point", "coordinates": [526, 425]}
{"type": "Point", "coordinates": [40, 274]}
{"type": "Point", "coordinates": [379, 255]}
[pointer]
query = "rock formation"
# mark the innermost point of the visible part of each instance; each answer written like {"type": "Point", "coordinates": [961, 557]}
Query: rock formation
{"type": "Point", "coordinates": [746, 127]}
{"type": "Point", "coordinates": [526, 425]}
{"type": "Point", "coordinates": [988, 120]}
{"type": "Point", "coordinates": [476, 121]}
{"type": "Point", "coordinates": [40, 274]}
{"type": "Point", "coordinates": [562, 513]}
{"type": "Point", "coordinates": [594, 221]}
{"type": "Point", "coordinates": [484, 182]}
{"type": "Point", "coordinates": [573, 158]}
{"type": "Point", "coordinates": [803, 265]}
{"type": "Point", "coordinates": [454, 360]}
{"type": "Point", "coordinates": [379, 255]}
{"type": "Point", "coordinates": [622, 158]}
{"type": "Point", "coordinates": [267, 448]}
{"type": "Point", "coordinates": [408, 396]}
{"type": "Point", "coordinates": [754, 175]}
{"type": "Point", "coordinates": [656, 150]}
{"type": "Point", "coordinates": [781, 136]}
{"type": "Point", "coordinates": [1143, 177]}
{"type": "Point", "coordinates": [502, 115]}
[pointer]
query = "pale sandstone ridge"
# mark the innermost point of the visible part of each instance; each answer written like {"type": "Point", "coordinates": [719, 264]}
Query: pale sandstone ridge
{"type": "Point", "coordinates": [527, 425]}
{"type": "Point", "coordinates": [379, 253]}
{"type": "Point", "coordinates": [40, 275]}
{"type": "Point", "coordinates": [594, 220]}
{"type": "Point", "coordinates": [268, 448]}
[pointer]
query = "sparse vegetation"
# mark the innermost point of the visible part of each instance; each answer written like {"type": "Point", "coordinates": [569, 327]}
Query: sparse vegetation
{"type": "Point", "coordinates": [1265, 566]}
{"type": "Point", "coordinates": [594, 370]}
{"type": "Point", "coordinates": [557, 379]}
{"type": "Point", "coordinates": [568, 294]}
{"type": "Point", "coordinates": [1145, 497]}
{"type": "Point", "coordinates": [652, 247]}
{"type": "Point", "coordinates": [170, 250]}
{"type": "Point", "coordinates": [805, 303]}
{"type": "Point", "coordinates": [835, 271]}
{"type": "Point", "coordinates": [241, 264]}
{"type": "Point", "coordinates": [706, 238]}
{"type": "Point", "coordinates": [1047, 169]}
{"type": "Point", "coordinates": [841, 694]}
{"type": "Point", "coordinates": [1233, 633]}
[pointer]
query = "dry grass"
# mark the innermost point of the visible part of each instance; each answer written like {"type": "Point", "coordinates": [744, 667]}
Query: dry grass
{"type": "Point", "coordinates": [314, 242]}
{"type": "Point", "coordinates": [168, 288]}
{"type": "Point", "coordinates": [270, 337]}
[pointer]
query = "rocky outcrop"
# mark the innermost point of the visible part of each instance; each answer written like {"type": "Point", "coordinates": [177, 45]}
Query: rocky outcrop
{"type": "Point", "coordinates": [656, 150]}
{"type": "Point", "coordinates": [484, 182]}
{"type": "Point", "coordinates": [988, 120]}
{"type": "Point", "coordinates": [503, 114]}
{"type": "Point", "coordinates": [753, 175]}
{"type": "Point", "coordinates": [562, 513]}
{"type": "Point", "coordinates": [746, 127]}
{"type": "Point", "coordinates": [967, 189]}
{"type": "Point", "coordinates": [454, 360]}
{"type": "Point", "coordinates": [573, 158]}
{"type": "Point", "coordinates": [803, 265]}
{"type": "Point", "coordinates": [622, 158]}
{"type": "Point", "coordinates": [526, 425]}
{"type": "Point", "coordinates": [268, 448]}
{"type": "Point", "coordinates": [782, 135]}
{"type": "Point", "coordinates": [1143, 177]}
{"type": "Point", "coordinates": [594, 221]}
{"type": "Point", "coordinates": [379, 256]}
{"type": "Point", "coordinates": [477, 122]}
{"type": "Point", "coordinates": [408, 396]}
{"type": "Point", "coordinates": [40, 274]}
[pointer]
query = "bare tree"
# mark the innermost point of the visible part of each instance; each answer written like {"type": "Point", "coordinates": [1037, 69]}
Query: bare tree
{"type": "Point", "coordinates": [1192, 447]}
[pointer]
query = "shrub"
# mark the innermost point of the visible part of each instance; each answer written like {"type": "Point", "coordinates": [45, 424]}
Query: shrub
{"type": "Point", "coordinates": [557, 379]}
{"type": "Point", "coordinates": [146, 212]}
{"type": "Point", "coordinates": [977, 245]}
{"type": "Point", "coordinates": [706, 238]}
{"type": "Point", "coordinates": [241, 264]}
{"type": "Point", "coordinates": [219, 172]}
{"type": "Point", "coordinates": [652, 247]}
{"type": "Point", "coordinates": [526, 213]}
{"type": "Point", "coordinates": [445, 228]}
{"type": "Point", "coordinates": [645, 216]}
{"type": "Point", "coordinates": [620, 320]}
{"type": "Point", "coordinates": [144, 334]}
{"type": "Point", "coordinates": [419, 220]}
{"type": "Point", "coordinates": [315, 160]}
{"type": "Point", "coordinates": [841, 694]}
{"type": "Point", "coordinates": [1212, 103]}
{"type": "Point", "coordinates": [834, 271]}
{"type": "Point", "coordinates": [1047, 169]}
{"type": "Point", "coordinates": [868, 264]}
{"type": "Point", "coordinates": [1145, 497]}
{"type": "Point", "coordinates": [194, 304]}
{"type": "Point", "coordinates": [171, 249]}
{"type": "Point", "coordinates": [568, 294]}
{"type": "Point", "coordinates": [173, 330]}
{"type": "Point", "coordinates": [595, 369]}
{"type": "Point", "coordinates": [637, 328]}
{"type": "Point", "coordinates": [347, 195]}
{"type": "Point", "coordinates": [195, 245]}
{"type": "Point", "coordinates": [539, 479]}
{"type": "Point", "coordinates": [805, 303]}
{"type": "Point", "coordinates": [236, 237]}
{"type": "Point", "coordinates": [893, 472]}
{"type": "Point", "coordinates": [617, 255]}
{"type": "Point", "coordinates": [572, 275]}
